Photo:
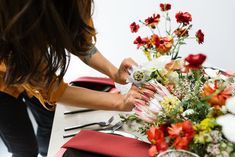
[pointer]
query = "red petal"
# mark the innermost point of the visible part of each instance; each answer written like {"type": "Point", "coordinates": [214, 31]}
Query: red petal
{"type": "Point", "coordinates": [152, 150]}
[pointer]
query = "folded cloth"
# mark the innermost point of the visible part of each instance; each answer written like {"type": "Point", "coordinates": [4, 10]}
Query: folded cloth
{"type": "Point", "coordinates": [70, 152]}
{"type": "Point", "coordinates": [107, 144]}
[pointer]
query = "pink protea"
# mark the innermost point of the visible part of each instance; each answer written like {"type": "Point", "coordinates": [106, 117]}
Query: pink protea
{"type": "Point", "coordinates": [148, 112]}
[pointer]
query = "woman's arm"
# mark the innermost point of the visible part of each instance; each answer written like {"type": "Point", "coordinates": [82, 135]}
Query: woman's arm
{"type": "Point", "coordinates": [82, 97]}
{"type": "Point", "coordinates": [97, 61]}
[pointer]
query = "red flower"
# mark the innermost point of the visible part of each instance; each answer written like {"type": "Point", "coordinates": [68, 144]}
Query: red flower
{"type": "Point", "coordinates": [157, 139]}
{"type": "Point", "coordinates": [200, 36]}
{"type": "Point", "coordinates": [182, 133]}
{"type": "Point", "coordinates": [152, 150]}
{"type": "Point", "coordinates": [181, 32]}
{"type": "Point", "coordinates": [155, 40]}
{"type": "Point", "coordinates": [152, 21]}
{"type": "Point", "coordinates": [195, 61]}
{"type": "Point", "coordinates": [184, 18]}
{"type": "Point", "coordinates": [134, 27]}
{"type": "Point", "coordinates": [165, 7]}
{"type": "Point", "coordinates": [140, 42]}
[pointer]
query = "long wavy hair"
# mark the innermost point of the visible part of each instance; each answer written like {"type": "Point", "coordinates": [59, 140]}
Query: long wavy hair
{"type": "Point", "coordinates": [37, 37]}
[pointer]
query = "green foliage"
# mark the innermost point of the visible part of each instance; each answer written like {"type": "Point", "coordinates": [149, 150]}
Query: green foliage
{"type": "Point", "coordinates": [201, 109]}
{"type": "Point", "coordinates": [199, 149]}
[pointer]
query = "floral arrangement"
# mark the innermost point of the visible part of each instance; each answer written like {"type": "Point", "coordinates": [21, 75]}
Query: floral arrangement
{"type": "Point", "coordinates": [193, 108]}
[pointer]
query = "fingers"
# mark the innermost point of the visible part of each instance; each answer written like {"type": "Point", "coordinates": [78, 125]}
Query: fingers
{"type": "Point", "coordinates": [150, 87]}
{"type": "Point", "coordinates": [128, 63]}
{"type": "Point", "coordinates": [143, 95]}
{"type": "Point", "coordinates": [137, 96]}
{"type": "Point", "coordinates": [147, 92]}
{"type": "Point", "coordinates": [124, 70]}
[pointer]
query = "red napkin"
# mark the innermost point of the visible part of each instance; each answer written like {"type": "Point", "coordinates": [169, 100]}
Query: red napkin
{"type": "Point", "coordinates": [99, 80]}
{"type": "Point", "coordinates": [108, 144]}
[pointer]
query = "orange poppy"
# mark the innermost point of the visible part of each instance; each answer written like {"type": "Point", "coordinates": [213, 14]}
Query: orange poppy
{"type": "Point", "coordinates": [165, 44]}
{"type": "Point", "coordinates": [217, 99]}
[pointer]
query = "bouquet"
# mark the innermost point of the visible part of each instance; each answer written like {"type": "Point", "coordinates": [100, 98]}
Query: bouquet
{"type": "Point", "coordinates": [192, 112]}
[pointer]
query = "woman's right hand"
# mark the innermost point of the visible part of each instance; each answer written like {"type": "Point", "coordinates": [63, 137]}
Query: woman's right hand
{"type": "Point", "coordinates": [136, 96]}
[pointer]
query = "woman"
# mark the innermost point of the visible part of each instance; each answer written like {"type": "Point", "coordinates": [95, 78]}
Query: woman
{"type": "Point", "coordinates": [37, 38]}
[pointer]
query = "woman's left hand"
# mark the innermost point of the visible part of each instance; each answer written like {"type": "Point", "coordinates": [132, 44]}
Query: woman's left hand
{"type": "Point", "coordinates": [122, 73]}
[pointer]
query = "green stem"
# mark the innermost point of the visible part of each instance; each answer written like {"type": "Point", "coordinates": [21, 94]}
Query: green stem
{"type": "Point", "coordinates": [158, 31]}
{"type": "Point", "coordinates": [160, 75]}
{"type": "Point", "coordinates": [169, 22]}
{"type": "Point", "coordinates": [175, 54]}
{"type": "Point", "coordinates": [176, 28]}
{"type": "Point", "coordinates": [147, 26]}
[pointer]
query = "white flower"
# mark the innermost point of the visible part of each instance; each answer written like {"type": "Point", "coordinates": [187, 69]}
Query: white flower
{"type": "Point", "coordinates": [230, 104]}
{"type": "Point", "coordinates": [188, 112]}
{"type": "Point", "coordinates": [138, 75]}
{"type": "Point", "coordinates": [217, 74]}
{"type": "Point", "coordinates": [228, 126]}
{"type": "Point", "coordinates": [141, 73]}
{"type": "Point", "coordinates": [212, 73]}
{"type": "Point", "coordinates": [157, 63]}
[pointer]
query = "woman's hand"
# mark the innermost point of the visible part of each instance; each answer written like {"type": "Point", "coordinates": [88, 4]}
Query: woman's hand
{"type": "Point", "coordinates": [136, 96]}
{"type": "Point", "coordinates": [122, 74]}
{"type": "Point", "coordinates": [83, 97]}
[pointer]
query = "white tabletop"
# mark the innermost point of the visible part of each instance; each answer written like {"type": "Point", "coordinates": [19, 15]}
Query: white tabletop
{"type": "Point", "coordinates": [61, 121]}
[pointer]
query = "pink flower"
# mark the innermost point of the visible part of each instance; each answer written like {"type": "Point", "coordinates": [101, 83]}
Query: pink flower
{"type": "Point", "coordinates": [148, 112]}
{"type": "Point", "coordinates": [134, 27]}
{"type": "Point", "coordinates": [144, 113]}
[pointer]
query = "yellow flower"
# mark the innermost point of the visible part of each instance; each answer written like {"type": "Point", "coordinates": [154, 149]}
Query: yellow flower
{"type": "Point", "coordinates": [170, 103]}
{"type": "Point", "coordinates": [206, 124]}
{"type": "Point", "coordinates": [203, 137]}
{"type": "Point", "coordinates": [203, 130]}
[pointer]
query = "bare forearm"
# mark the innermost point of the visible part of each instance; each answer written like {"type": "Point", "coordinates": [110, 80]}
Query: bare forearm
{"type": "Point", "coordinates": [100, 63]}
{"type": "Point", "coordinates": [91, 99]}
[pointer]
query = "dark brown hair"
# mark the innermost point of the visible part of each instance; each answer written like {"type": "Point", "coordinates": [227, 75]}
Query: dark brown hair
{"type": "Point", "coordinates": [35, 34]}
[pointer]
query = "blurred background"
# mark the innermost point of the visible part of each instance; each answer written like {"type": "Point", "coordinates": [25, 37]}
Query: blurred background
{"type": "Point", "coordinates": [114, 39]}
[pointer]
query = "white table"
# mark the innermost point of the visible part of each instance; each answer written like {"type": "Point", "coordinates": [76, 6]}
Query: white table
{"type": "Point", "coordinates": [61, 121]}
